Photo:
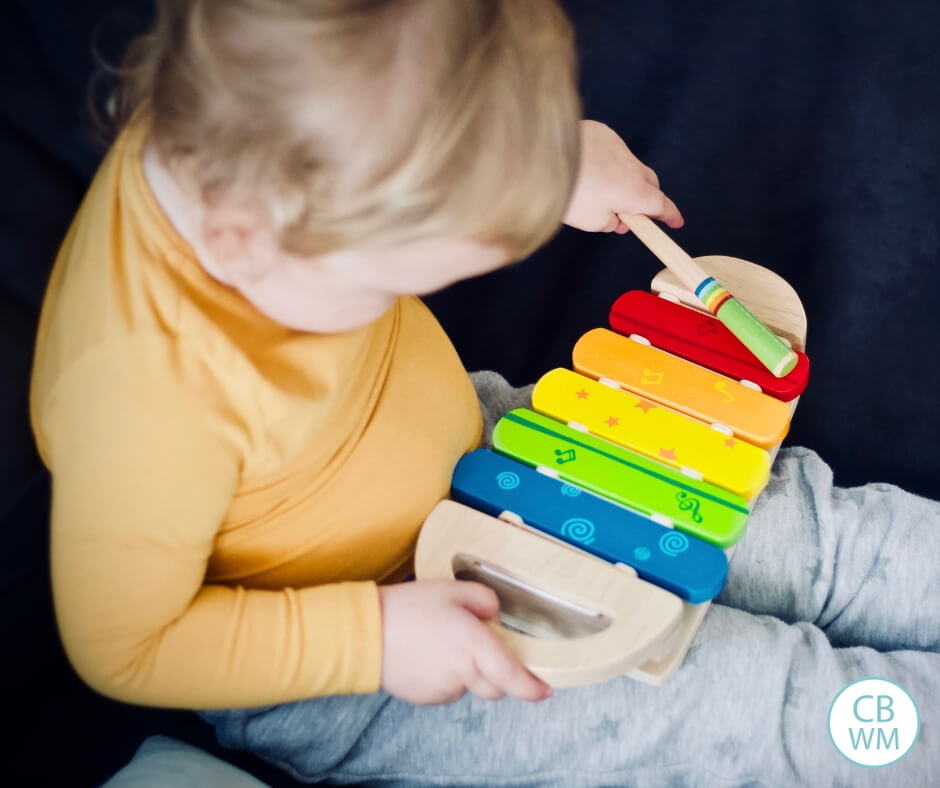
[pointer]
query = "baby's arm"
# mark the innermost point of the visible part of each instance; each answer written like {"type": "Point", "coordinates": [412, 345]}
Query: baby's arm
{"type": "Point", "coordinates": [142, 478]}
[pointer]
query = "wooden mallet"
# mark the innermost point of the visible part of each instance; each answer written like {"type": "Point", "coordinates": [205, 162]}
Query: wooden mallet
{"type": "Point", "coordinates": [756, 337]}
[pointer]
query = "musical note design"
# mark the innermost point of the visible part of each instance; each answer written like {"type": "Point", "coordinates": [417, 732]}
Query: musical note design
{"type": "Point", "coordinates": [651, 378]}
{"type": "Point", "coordinates": [565, 455]}
{"type": "Point", "coordinates": [721, 389]}
{"type": "Point", "coordinates": [689, 504]}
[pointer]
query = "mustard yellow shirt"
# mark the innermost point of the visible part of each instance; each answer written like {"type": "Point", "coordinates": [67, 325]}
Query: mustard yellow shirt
{"type": "Point", "coordinates": [226, 491]}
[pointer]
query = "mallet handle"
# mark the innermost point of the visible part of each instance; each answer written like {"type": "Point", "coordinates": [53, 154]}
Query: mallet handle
{"type": "Point", "coordinates": [673, 256]}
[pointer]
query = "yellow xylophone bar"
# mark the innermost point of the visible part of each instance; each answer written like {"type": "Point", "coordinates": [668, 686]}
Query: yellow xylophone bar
{"type": "Point", "coordinates": [639, 424]}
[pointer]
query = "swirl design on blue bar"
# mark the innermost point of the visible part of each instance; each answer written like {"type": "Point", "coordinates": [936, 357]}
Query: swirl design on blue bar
{"type": "Point", "coordinates": [673, 543]}
{"type": "Point", "coordinates": [578, 530]}
{"type": "Point", "coordinates": [507, 480]}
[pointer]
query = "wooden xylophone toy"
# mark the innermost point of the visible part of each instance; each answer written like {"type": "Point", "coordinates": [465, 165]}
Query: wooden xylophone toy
{"type": "Point", "coordinates": [607, 514]}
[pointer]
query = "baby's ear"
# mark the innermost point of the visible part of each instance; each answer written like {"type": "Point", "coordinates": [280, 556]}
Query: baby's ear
{"type": "Point", "coordinates": [240, 236]}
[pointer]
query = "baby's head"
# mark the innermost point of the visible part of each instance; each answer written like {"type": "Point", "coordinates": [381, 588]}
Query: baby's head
{"type": "Point", "coordinates": [365, 126]}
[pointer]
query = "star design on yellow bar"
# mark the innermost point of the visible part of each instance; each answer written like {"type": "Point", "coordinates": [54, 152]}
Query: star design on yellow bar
{"type": "Point", "coordinates": [667, 454]}
{"type": "Point", "coordinates": [582, 394]}
{"type": "Point", "coordinates": [645, 406]}
{"type": "Point", "coordinates": [613, 421]}
{"type": "Point", "coordinates": [731, 443]}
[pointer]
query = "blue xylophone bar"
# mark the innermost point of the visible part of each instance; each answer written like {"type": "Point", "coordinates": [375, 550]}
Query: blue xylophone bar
{"type": "Point", "coordinates": [688, 567]}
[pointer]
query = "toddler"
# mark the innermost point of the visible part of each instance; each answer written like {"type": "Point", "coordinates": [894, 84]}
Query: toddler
{"type": "Point", "coordinates": [247, 413]}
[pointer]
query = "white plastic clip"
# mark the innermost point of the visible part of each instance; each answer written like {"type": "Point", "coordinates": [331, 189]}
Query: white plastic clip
{"type": "Point", "coordinates": [611, 384]}
{"type": "Point", "coordinates": [664, 521]}
{"type": "Point", "coordinates": [724, 429]}
{"type": "Point", "coordinates": [624, 568]}
{"type": "Point", "coordinates": [641, 340]}
{"type": "Point", "coordinates": [511, 517]}
{"type": "Point", "coordinates": [691, 473]}
{"type": "Point", "coordinates": [577, 425]}
{"type": "Point", "coordinates": [750, 384]}
{"type": "Point", "coordinates": [546, 471]}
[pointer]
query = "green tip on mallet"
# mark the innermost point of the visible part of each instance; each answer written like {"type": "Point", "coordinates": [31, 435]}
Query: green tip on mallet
{"type": "Point", "coordinates": [772, 351]}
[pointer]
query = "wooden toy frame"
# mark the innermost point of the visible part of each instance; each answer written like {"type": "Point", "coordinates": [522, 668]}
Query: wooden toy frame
{"type": "Point", "coordinates": [593, 620]}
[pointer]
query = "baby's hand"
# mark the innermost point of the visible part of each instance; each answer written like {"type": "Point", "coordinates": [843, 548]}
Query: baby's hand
{"type": "Point", "coordinates": [612, 180]}
{"type": "Point", "coordinates": [436, 647]}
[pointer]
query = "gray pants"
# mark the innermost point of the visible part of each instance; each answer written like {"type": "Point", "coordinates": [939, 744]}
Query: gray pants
{"type": "Point", "coordinates": [828, 586]}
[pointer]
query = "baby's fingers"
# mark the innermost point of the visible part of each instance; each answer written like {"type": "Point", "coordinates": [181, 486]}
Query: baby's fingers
{"type": "Point", "coordinates": [670, 214]}
{"type": "Point", "coordinates": [657, 205]}
{"type": "Point", "coordinates": [502, 670]}
{"type": "Point", "coordinates": [483, 688]}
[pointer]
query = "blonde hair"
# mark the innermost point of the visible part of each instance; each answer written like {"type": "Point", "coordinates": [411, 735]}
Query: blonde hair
{"type": "Point", "coordinates": [369, 122]}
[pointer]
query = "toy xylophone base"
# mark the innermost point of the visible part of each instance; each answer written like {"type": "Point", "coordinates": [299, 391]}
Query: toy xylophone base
{"type": "Point", "coordinates": [572, 618]}
{"type": "Point", "coordinates": [575, 619]}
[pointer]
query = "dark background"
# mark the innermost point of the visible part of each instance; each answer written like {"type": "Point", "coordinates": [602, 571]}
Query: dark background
{"type": "Point", "coordinates": [800, 135]}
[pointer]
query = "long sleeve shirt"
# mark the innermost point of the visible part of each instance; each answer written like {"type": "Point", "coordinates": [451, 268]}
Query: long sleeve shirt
{"type": "Point", "coordinates": [227, 492]}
